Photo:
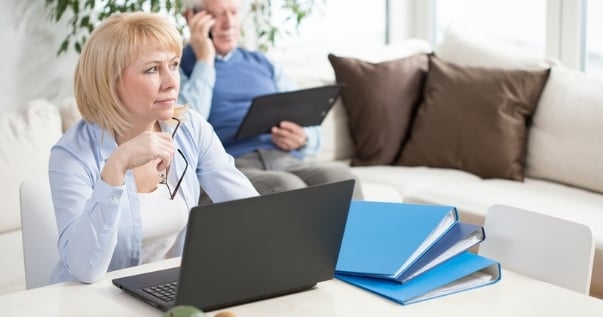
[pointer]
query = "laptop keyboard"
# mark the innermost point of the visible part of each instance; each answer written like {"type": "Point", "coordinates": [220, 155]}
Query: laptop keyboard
{"type": "Point", "coordinates": [166, 292]}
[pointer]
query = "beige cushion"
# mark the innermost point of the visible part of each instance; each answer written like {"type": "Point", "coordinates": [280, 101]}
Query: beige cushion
{"type": "Point", "coordinates": [474, 119]}
{"type": "Point", "coordinates": [565, 138]}
{"type": "Point", "coordinates": [26, 137]}
{"type": "Point", "coordinates": [380, 99]}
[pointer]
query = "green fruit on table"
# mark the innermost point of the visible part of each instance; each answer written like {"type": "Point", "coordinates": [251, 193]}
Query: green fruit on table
{"type": "Point", "coordinates": [184, 311]}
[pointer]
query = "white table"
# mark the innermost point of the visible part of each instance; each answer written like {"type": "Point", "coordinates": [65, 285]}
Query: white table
{"type": "Point", "coordinates": [514, 295]}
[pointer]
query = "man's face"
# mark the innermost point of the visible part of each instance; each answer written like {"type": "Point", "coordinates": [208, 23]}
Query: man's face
{"type": "Point", "coordinates": [226, 31]}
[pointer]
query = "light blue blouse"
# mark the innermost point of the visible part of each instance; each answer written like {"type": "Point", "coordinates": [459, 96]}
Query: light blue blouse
{"type": "Point", "coordinates": [99, 225]}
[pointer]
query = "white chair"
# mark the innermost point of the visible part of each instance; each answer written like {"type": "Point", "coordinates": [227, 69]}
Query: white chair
{"type": "Point", "coordinates": [39, 230]}
{"type": "Point", "coordinates": [544, 247]}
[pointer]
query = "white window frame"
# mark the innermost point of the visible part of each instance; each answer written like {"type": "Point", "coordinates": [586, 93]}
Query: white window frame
{"type": "Point", "coordinates": [565, 23]}
{"type": "Point", "coordinates": [565, 40]}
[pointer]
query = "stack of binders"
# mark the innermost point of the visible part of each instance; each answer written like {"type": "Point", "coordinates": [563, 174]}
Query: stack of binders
{"type": "Point", "coordinates": [412, 252]}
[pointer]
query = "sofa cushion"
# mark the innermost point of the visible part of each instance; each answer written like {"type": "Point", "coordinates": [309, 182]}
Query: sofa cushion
{"type": "Point", "coordinates": [26, 137]}
{"type": "Point", "coordinates": [380, 100]}
{"type": "Point", "coordinates": [337, 141]}
{"type": "Point", "coordinates": [565, 137]}
{"type": "Point", "coordinates": [474, 119]}
{"type": "Point", "coordinates": [377, 191]}
{"type": "Point", "coordinates": [474, 198]}
{"type": "Point", "coordinates": [407, 179]}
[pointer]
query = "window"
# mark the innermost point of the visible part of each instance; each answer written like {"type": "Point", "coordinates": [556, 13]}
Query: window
{"type": "Point", "coordinates": [518, 22]}
{"type": "Point", "coordinates": [594, 38]}
{"type": "Point", "coordinates": [334, 26]}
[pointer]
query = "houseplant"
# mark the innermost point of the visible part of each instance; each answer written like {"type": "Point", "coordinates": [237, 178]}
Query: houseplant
{"type": "Point", "coordinates": [83, 15]}
{"type": "Point", "coordinates": [268, 23]}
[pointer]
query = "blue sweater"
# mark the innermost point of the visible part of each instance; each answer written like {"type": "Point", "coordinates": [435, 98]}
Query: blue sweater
{"type": "Point", "coordinates": [239, 77]}
{"type": "Point", "coordinates": [238, 80]}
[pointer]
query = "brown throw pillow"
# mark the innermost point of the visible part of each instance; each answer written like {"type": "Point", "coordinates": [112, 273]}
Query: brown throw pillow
{"type": "Point", "coordinates": [474, 119]}
{"type": "Point", "coordinates": [379, 100]}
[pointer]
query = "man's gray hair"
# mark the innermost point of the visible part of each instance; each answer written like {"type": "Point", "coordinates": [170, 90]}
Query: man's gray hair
{"type": "Point", "coordinates": [189, 4]}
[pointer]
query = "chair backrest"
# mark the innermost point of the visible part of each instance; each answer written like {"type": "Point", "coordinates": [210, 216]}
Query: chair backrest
{"type": "Point", "coordinates": [544, 247]}
{"type": "Point", "coordinates": [39, 230]}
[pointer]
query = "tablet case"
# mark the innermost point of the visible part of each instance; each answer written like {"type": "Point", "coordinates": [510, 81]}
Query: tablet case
{"type": "Point", "coordinates": [306, 107]}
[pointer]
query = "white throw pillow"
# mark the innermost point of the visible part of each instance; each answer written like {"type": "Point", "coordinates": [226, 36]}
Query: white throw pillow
{"type": "Point", "coordinates": [564, 143]}
{"type": "Point", "coordinates": [26, 137]}
{"type": "Point", "coordinates": [468, 47]}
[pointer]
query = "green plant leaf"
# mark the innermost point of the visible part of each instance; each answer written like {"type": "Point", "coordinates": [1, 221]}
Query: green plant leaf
{"type": "Point", "coordinates": [60, 9]}
{"type": "Point", "coordinates": [86, 13]}
{"type": "Point", "coordinates": [63, 47]}
{"type": "Point", "coordinates": [85, 22]}
{"type": "Point", "coordinates": [90, 4]}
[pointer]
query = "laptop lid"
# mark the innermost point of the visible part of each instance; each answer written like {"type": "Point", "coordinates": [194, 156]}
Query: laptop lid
{"type": "Point", "coordinates": [255, 248]}
{"type": "Point", "coordinates": [306, 107]}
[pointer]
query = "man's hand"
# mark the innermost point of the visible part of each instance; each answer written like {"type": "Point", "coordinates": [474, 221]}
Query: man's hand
{"type": "Point", "coordinates": [289, 136]}
{"type": "Point", "coordinates": [200, 25]}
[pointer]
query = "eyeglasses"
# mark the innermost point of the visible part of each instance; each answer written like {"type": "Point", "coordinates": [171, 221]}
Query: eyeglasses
{"type": "Point", "coordinates": [167, 172]}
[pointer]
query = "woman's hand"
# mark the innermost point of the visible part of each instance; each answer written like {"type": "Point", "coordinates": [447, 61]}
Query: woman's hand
{"type": "Point", "coordinates": [289, 136]}
{"type": "Point", "coordinates": [138, 151]}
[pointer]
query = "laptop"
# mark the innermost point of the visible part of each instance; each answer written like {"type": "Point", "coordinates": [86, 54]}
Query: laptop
{"type": "Point", "coordinates": [250, 249]}
{"type": "Point", "coordinates": [306, 107]}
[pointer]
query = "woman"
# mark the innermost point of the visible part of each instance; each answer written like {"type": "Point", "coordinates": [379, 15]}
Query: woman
{"type": "Point", "coordinates": [124, 178]}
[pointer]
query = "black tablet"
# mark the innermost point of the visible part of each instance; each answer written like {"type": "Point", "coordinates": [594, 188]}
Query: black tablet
{"type": "Point", "coordinates": [306, 107]}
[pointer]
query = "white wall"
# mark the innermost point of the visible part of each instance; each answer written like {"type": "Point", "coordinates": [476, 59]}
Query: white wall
{"type": "Point", "coordinates": [29, 66]}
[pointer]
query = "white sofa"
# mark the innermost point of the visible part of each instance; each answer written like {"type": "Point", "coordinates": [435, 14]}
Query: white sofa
{"type": "Point", "coordinates": [26, 136]}
{"type": "Point", "coordinates": [25, 140]}
{"type": "Point", "coordinates": [564, 163]}
{"type": "Point", "coordinates": [564, 168]}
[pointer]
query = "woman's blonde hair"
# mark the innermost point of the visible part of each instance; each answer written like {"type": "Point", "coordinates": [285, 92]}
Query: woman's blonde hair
{"type": "Point", "coordinates": [116, 43]}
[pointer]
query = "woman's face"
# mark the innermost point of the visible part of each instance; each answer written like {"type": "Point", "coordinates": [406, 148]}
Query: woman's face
{"type": "Point", "coordinates": [149, 86]}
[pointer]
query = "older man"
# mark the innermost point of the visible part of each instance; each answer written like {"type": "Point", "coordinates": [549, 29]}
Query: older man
{"type": "Point", "coordinates": [219, 79]}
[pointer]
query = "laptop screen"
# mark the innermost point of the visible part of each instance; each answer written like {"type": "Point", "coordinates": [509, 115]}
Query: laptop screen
{"type": "Point", "coordinates": [260, 247]}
